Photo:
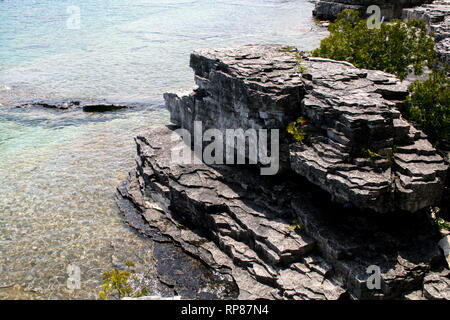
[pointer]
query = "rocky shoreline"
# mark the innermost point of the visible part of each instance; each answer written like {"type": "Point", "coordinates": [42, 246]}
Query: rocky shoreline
{"type": "Point", "coordinates": [329, 9]}
{"type": "Point", "coordinates": [285, 236]}
{"type": "Point", "coordinates": [436, 15]}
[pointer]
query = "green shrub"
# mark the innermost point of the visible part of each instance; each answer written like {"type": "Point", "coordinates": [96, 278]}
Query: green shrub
{"type": "Point", "coordinates": [428, 107]}
{"type": "Point", "coordinates": [297, 130]}
{"type": "Point", "coordinates": [392, 48]}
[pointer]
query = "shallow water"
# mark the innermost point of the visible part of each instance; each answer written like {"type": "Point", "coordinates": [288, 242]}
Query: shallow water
{"type": "Point", "coordinates": [59, 170]}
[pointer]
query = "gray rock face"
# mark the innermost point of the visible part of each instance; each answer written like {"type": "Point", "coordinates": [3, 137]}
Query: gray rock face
{"type": "Point", "coordinates": [275, 238]}
{"type": "Point", "coordinates": [248, 87]}
{"type": "Point", "coordinates": [329, 9]}
{"type": "Point", "coordinates": [350, 111]}
{"type": "Point", "coordinates": [347, 110]}
{"type": "Point", "coordinates": [437, 17]}
{"type": "Point", "coordinates": [444, 244]}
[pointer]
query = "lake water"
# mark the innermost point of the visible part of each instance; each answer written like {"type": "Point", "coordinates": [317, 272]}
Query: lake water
{"type": "Point", "coordinates": [59, 170]}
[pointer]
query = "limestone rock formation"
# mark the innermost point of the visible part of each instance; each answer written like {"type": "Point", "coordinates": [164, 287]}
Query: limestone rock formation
{"type": "Point", "coordinates": [281, 237]}
{"type": "Point", "coordinates": [275, 238]}
{"type": "Point", "coordinates": [437, 17]}
{"type": "Point", "coordinates": [358, 147]}
{"type": "Point", "coordinates": [329, 9]}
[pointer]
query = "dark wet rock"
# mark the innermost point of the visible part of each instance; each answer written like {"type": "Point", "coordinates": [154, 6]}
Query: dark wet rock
{"type": "Point", "coordinates": [103, 107]}
{"type": "Point", "coordinates": [437, 17]}
{"type": "Point", "coordinates": [239, 224]}
{"type": "Point", "coordinates": [178, 273]}
{"type": "Point", "coordinates": [329, 9]}
{"type": "Point", "coordinates": [59, 105]}
{"type": "Point", "coordinates": [65, 105]}
{"type": "Point", "coordinates": [348, 110]}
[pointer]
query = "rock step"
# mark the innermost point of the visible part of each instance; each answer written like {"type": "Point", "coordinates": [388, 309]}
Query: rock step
{"type": "Point", "coordinates": [257, 227]}
{"type": "Point", "coordinates": [348, 243]}
{"type": "Point", "coordinates": [346, 110]}
{"type": "Point", "coordinates": [155, 210]}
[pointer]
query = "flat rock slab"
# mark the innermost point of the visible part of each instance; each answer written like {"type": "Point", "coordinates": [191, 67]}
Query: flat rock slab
{"type": "Point", "coordinates": [276, 238]}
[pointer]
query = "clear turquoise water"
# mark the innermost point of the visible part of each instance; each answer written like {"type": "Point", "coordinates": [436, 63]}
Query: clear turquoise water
{"type": "Point", "coordinates": [58, 171]}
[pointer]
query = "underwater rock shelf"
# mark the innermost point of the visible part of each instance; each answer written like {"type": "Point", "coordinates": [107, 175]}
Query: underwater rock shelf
{"type": "Point", "coordinates": [283, 236]}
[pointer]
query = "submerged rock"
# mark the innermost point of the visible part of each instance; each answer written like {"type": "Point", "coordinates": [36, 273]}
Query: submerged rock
{"type": "Point", "coordinates": [358, 147]}
{"type": "Point", "coordinates": [276, 238]}
{"type": "Point", "coordinates": [64, 105]}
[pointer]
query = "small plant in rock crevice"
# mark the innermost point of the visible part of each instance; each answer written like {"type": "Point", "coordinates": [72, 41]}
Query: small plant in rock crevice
{"type": "Point", "coordinates": [297, 130]}
{"type": "Point", "coordinates": [296, 226]}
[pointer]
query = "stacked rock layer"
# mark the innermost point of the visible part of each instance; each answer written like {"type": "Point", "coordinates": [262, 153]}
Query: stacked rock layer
{"type": "Point", "coordinates": [281, 237]}
{"type": "Point", "coordinates": [275, 239]}
{"type": "Point", "coordinates": [358, 147]}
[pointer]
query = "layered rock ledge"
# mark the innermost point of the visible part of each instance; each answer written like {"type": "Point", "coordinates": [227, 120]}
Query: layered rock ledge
{"type": "Point", "coordinates": [329, 9]}
{"type": "Point", "coordinates": [347, 110]}
{"type": "Point", "coordinates": [276, 238]}
{"type": "Point", "coordinates": [281, 236]}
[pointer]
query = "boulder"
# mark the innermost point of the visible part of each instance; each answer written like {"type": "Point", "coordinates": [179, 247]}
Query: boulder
{"type": "Point", "coordinates": [358, 147]}
{"type": "Point", "coordinates": [444, 244]}
{"type": "Point", "coordinates": [275, 238]}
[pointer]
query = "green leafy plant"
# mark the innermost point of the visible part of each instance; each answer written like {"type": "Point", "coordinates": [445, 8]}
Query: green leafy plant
{"type": "Point", "coordinates": [392, 48]}
{"type": "Point", "coordinates": [298, 57]}
{"type": "Point", "coordinates": [443, 225]}
{"type": "Point", "coordinates": [390, 155]}
{"type": "Point", "coordinates": [296, 226]}
{"type": "Point", "coordinates": [116, 284]}
{"type": "Point", "coordinates": [300, 60]}
{"type": "Point", "coordinates": [428, 107]}
{"type": "Point", "coordinates": [297, 130]}
{"type": "Point", "coordinates": [367, 153]}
